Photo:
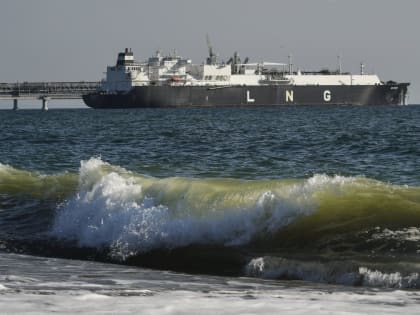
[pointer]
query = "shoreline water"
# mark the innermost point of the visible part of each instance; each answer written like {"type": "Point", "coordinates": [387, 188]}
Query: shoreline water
{"type": "Point", "coordinates": [326, 195]}
{"type": "Point", "coordinates": [94, 288]}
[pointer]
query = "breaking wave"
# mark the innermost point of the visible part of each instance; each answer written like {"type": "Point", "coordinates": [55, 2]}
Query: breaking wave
{"type": "Point", "coordinates": [130, 216]}
{"type": "Point", "coordinates": [135, 214]}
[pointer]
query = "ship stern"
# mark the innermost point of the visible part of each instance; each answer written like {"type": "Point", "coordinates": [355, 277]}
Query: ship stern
{"type": "Point", "coordinates": [396, 93]}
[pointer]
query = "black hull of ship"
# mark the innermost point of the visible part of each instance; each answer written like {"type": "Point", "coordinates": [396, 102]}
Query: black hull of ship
{"type": "Point", "coordinates": [184, 96]}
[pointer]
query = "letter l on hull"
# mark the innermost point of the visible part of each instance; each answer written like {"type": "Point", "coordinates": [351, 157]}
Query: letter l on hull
{"type": "Point", "coordinates": [248, 97]}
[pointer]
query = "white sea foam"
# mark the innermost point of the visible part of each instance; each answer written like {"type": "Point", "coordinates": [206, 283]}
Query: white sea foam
{"type": "Point", "coordinates": [228, 300]}
{"type": "Point", "coordinates": [65, 287]}
{"type": "Point", "coordinates": [377, 278]}
{"type": "Point", "coordinates": [346, 273]}
{"type": "Point", "coordinates": [134, 214]}
{"type": "Point", "coordinates": [411, 234]}
{"type": "Point", "coordinates": [91, 297]}
{"type": "Point", "coordinates": [280, 268]}
{"type": "Point", "coordinates": [5, 167]}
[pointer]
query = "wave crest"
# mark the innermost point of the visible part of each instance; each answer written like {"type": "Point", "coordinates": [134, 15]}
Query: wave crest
{"type": "Point", "coordinates": [106, 206]}
{"type": "Point", "coordinates": [134, 214]}
{"type": "Point", "coordinates": [20, 182]}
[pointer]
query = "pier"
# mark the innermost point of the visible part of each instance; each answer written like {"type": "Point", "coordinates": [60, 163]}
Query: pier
{"type": "Point", "coordinates": [45, 91]}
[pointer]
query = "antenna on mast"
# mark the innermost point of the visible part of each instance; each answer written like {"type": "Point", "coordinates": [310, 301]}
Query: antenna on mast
{"type": "Point", "coordinates": [290, 57]}
{"type": "Point", "coordinates": [340, 65]}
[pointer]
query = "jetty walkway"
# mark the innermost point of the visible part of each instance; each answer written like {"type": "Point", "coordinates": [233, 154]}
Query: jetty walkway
{"type": "Point", "coordinates": [45, 91]}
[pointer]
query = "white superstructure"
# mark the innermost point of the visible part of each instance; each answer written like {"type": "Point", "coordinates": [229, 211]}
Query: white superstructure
{"type": "Point", "coordinates": [333, 79]}
{"type": "Point", "coordinates": [175, 70]}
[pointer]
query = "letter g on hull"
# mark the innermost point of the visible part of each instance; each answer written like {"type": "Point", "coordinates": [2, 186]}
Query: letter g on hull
{"type": "Point", "coordinates": [327, 96]}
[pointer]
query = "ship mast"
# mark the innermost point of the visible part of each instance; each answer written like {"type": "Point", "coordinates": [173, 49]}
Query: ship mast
{"type": "Point", "coordinates": [340, 65]}
{"type": "Point", "coordinates": [362, 68]}
{"type": "Point", "coordinates": [290, 57]}
{"type": "Point", "coordinates": [212, 58]}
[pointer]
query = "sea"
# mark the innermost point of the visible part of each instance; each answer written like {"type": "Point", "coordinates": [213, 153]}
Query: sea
{"type": "Point", "coordinates": [236, 210]}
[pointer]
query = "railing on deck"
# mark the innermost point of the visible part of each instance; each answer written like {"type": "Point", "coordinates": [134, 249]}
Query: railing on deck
{"type": "Point", "coordinates": [53, 90]}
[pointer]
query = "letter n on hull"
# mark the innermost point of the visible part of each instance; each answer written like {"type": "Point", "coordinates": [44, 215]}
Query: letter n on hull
{"type": "Point", "coordinates": [289, 96]}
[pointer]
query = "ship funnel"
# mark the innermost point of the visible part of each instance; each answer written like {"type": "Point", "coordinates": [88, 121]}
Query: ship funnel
{"type": "Point", "coordinates": [125, 57]}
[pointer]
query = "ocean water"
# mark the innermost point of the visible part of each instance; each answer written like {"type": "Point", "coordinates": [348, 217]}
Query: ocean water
{"type": "Point", "coordinates": [210, 210]}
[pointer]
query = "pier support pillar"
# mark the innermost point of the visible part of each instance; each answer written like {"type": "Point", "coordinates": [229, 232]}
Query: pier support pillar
{"type": "Point", "coordinates": [45, 103]}
{"type": "Point", "coordinates": [15, 104]}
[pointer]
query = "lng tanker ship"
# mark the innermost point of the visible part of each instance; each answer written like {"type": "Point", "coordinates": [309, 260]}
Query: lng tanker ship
{"type": "Point", "coordinates": [173, 81]}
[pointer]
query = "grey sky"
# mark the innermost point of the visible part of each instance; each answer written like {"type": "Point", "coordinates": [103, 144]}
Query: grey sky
{"type": "Point", "coordinates": [75, 40]}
